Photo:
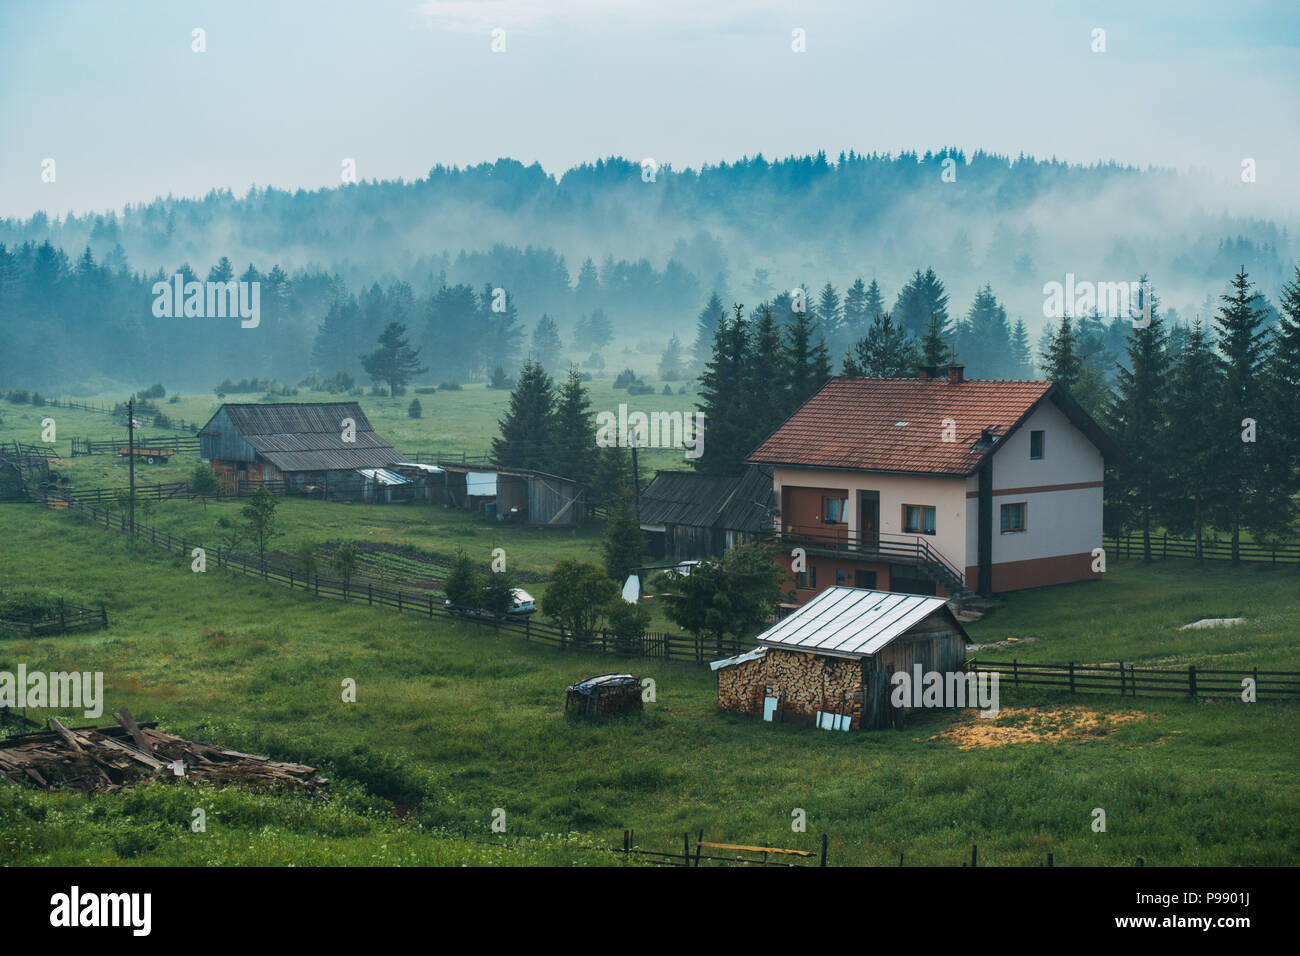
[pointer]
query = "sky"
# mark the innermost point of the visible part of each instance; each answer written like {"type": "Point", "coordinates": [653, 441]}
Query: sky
{"type": "Point", "coordinates": [284, 92]}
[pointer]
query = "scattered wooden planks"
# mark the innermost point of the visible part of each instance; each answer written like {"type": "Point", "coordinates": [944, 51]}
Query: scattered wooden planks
{"type": "Point", "coordinates": [109, 758]}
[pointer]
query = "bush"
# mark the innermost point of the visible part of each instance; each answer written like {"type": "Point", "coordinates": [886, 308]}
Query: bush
{"type": "Point", "coordinates": [668, 390]}
{"type": "Point", "coordinates": [427, 390]}
{"type": "Point", "coordinates": [27, 605]}
{"type": "Point", "coordinates": [38, 398]}
{"type": "Point", "coordinates": [154, 391]}
{"type": "Point", "coordinates": [500, 379]}
{"type": "Point", "coordinates": [640, 389]}
{"type": "Point", "coordinates": [452, 386]}
{"type": "Point", "coordinates": [627, 622]}
{"type": "Point", "coordinates": [414, 410]}
{"type": "Point", "coordinates": [338, 382]}
{"type": "Point", "coordinates": [161, 421]}
{"type": "Point", "coordinates": [625, 378]}
{"type": "Point", "coordinates": [18, 396]}
{"type": "Point", "coordinates": [174, 400]}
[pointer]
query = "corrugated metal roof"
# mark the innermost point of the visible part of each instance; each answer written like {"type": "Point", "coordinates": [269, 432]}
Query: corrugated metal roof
{"type": "Point", "coordinates": [738, 659]}
{"type": "Point", "coordinates": [731, 502]}
{"type": "Point", "coordinates": [296, 436]}
{"type": "Point", "coordinates": [851, 622]}
{"type": "Point", "coordinates": [384, 476]}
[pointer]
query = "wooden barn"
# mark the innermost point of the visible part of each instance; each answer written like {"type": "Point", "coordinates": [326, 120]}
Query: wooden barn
{"type": "Point", "coordinates": [301, 444]}
{"type": "Point", "coordinates": [692, 516]}
{"type": "Point", "coordinates": [829, 663]}
{"type": "Point", "coordinates": [515, 494]}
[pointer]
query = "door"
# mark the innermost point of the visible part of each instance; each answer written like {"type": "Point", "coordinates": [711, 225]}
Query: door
{"type": "Point", "coordinates": [864, 579]}
{"type": "Point", "coordinates": [769, 708]}
{"type": "Point", "coordinates": [869, 519]}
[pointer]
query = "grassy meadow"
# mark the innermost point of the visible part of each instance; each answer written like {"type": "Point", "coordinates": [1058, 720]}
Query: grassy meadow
{"type": "Point", "coordinates": [453, 721]}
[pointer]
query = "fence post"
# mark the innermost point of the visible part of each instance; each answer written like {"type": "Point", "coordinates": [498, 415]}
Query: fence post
{"type": "Point", "coordinates": [1015, 671]}
{"type": "Point", "coordinates": [1071, 677]}
{"type": "Point", "coordinates": [370, 594]}
{"type": "Point", "coordinates": [399, 600]}
{"type": "Point", "coordinates": [63, 618]}
{"type": "Point", "coordinates": [527, 633]}
{"type": "Point", "coordinates": [823, 849]}
{"type": "Point", "coordinates": [1191, 678]}
{"type": "Point", "coordinates": [318, 585]}
{"type": "Point", "coordinates": [291, 579]}
{"type": "Point", "coordinates": [103, 614]}
{"type": "Point", "coordinates": [431, 607]}
{"type": "Point", "coordinates": [1121, 678]}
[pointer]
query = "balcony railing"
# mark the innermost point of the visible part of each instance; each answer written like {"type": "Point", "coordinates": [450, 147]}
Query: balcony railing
{"type": "Point", "coordinates": [899, 548]}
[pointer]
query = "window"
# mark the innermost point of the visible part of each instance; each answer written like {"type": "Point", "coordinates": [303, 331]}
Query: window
{"type": "Point", "coordinates": [1035, 445]}
{"type": "Point", "coordinates": [833, 510]}
{"type": "Point", "coordinates": [808, 579]}
{"type": "Point", "coordinates": [918, 519]}
{"type": "Point", "coordinates": [1013, 517]}
{"type": "Point", "coordinates": [841, 577]}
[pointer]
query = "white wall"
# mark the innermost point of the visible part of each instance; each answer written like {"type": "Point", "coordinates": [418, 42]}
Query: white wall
{"type": "Point", "coordinates": [946, 495]}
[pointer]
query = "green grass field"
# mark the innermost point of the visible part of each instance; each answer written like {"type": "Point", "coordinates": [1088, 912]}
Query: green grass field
{"type": "Point", "coordinates": [453, 721]}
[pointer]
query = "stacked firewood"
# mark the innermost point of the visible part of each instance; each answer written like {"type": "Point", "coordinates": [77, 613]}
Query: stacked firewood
{"type": "Point", "coordinates": [803, 683]}
{"type": "Point", "coordinates": [109, 758]}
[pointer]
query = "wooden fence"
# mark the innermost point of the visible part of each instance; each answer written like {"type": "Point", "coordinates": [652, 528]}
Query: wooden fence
{"type": "Point", "coordinates": [1130, 681]}
{"type": "Point", "coordinates": [1214, 549]}
{"type": "Point", "coordinates": [692, 853]}
{"type": "Point", "coordinates": [143, 418]}
{"type": "Point", "coordinates": [64, 618]}
{"type": "Point", "coordinates": [94, 446]}
{"type": "Point", "coordinates": [657, 646]}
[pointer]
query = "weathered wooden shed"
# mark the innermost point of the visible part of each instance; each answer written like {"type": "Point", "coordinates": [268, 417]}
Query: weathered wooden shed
{"type": "Point", "coordinates": [300, 443]}
{"type": "Point", "coordinates": [690, 516]}
{"type": "Point", "coordinates": [830, 663]}
{"type": "Point", "coordinates": [515, 494]}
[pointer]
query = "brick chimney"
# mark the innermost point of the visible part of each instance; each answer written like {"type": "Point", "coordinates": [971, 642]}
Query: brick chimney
{"type": "Point", "coordinates": [927, 372]}
{"type": "Point", "coordinates": [956, 373]}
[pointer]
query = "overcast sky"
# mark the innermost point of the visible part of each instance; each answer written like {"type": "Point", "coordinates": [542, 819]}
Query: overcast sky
{"type": "Point", "coordinates": [285, 91]}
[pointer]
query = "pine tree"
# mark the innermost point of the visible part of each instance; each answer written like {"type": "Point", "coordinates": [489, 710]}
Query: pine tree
{"type": "Point", "coordinates": [1193, 420]}
{"type": "Point", "coordinates": [767, 378]}
{"type": "Point", "coordinates": [546, 343]}
{"type": "Point", "coordinates": [808, 365]}
{"type": "Point", "coordinates": [1138, 420]}
{"type": "Point", "coordinates": [1060, 362]}
{"type": "Point", "coordinates": [723, 399]}
{"type": "Point", "coordinates": [934, 350]}
{"type": "Point", "coordinates": [670, 363]}
{"type": "Point", "coordinates": [525, 437]}
{"type": "Point", "coordinates": [855, 320]}
{"type": "Point", "coordinates": [623, 545]}
{"type": "Point", "coordinates": [886, 351]}
{"type": "Point", "coordinates": [1246, 502]}
{"type": "Point", "coordinates": [706, 330]}
{"type": "Point", "coordinates": [830, 313]}
{"type": "Point", "coordinates": [917, 300]}
{"type": "Point", "coordinates": [394, 362]}
{"type": "Point", "coordinates": [1020, 355]}
{"type": "Point", "coordinates": [572, 431]}
{"type": "Point", "coordinates": [874, 303]}
{"type": "Point", "coordinates": [1283, 382]}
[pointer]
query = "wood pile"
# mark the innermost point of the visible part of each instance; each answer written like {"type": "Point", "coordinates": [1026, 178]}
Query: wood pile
{"type": "Point", "coordinates": [106, 759]}
{"type": "Point", "coordinates": [604, 696]}
{"type": "Point", "coordinates": [802, 683]}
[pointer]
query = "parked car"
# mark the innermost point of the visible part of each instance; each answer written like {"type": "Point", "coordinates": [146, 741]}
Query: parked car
{"type": "Point", "coordinates": [521, 605]}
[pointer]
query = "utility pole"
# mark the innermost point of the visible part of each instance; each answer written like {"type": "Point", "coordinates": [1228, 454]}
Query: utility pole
{"type": "Point", "coordinates": [130, 449]}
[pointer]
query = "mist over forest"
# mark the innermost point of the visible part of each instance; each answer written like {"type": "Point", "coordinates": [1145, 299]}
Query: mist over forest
{"type": "Point", "coordinates": [601, 265]}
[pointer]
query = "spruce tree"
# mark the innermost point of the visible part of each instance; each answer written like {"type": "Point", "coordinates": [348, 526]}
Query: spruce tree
{"type": "Point", "coordinates": [886, 351]}
{"type": "Point", "coordinates": [572, 431]}
{"type": "Point", "coordinates": [723, 399]}
{"type": "Point", "coordinates": [934, 350]}
{"type": "Point", "coordinates": [1246, 501]}
{"type": "Point", "coordinates": [394, 362]}
{"type": "Point", "coordinates": [1020, 354]}
{"type": "Point", "coordinates": [706, 329]}
{"type": "Point", "coordinates": [1193, 420]}
{"type": "Point", "coordinates": [1060, 362]}
{"type": "Point", "coordinates": [623, 545]}
{"type": "Point", "coordinates": [1137, 416]}
{"type": "Point", "coordinates": [808, 364]}
{"type": "Point", "coordinates": [525, 438]}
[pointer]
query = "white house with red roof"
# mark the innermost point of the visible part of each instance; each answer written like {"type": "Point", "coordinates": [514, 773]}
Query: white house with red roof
{"type": "Point", "coordinates": [937, 485]}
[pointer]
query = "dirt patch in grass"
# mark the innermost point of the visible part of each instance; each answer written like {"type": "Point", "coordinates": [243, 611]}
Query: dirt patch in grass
{"type": "Point", "coordinates": [1023, 725]}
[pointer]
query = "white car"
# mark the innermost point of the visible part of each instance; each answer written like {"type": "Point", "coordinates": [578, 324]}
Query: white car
{"type": "Point", "coordinates": [522, 603]}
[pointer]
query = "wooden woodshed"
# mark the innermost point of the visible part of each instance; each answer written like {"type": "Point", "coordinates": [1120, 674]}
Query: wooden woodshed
{"type": "Point", "coordinates": [604, 696]}
{"type": "Point", "coordinates": [829, 663]}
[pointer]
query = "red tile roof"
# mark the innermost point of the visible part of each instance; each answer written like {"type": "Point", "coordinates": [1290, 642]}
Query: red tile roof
{"type": "Point", "coordinates": [896, 424]}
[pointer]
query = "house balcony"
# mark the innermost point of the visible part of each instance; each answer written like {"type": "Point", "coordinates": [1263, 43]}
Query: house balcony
{"type": "Point", "coordinates": [843, 542]}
